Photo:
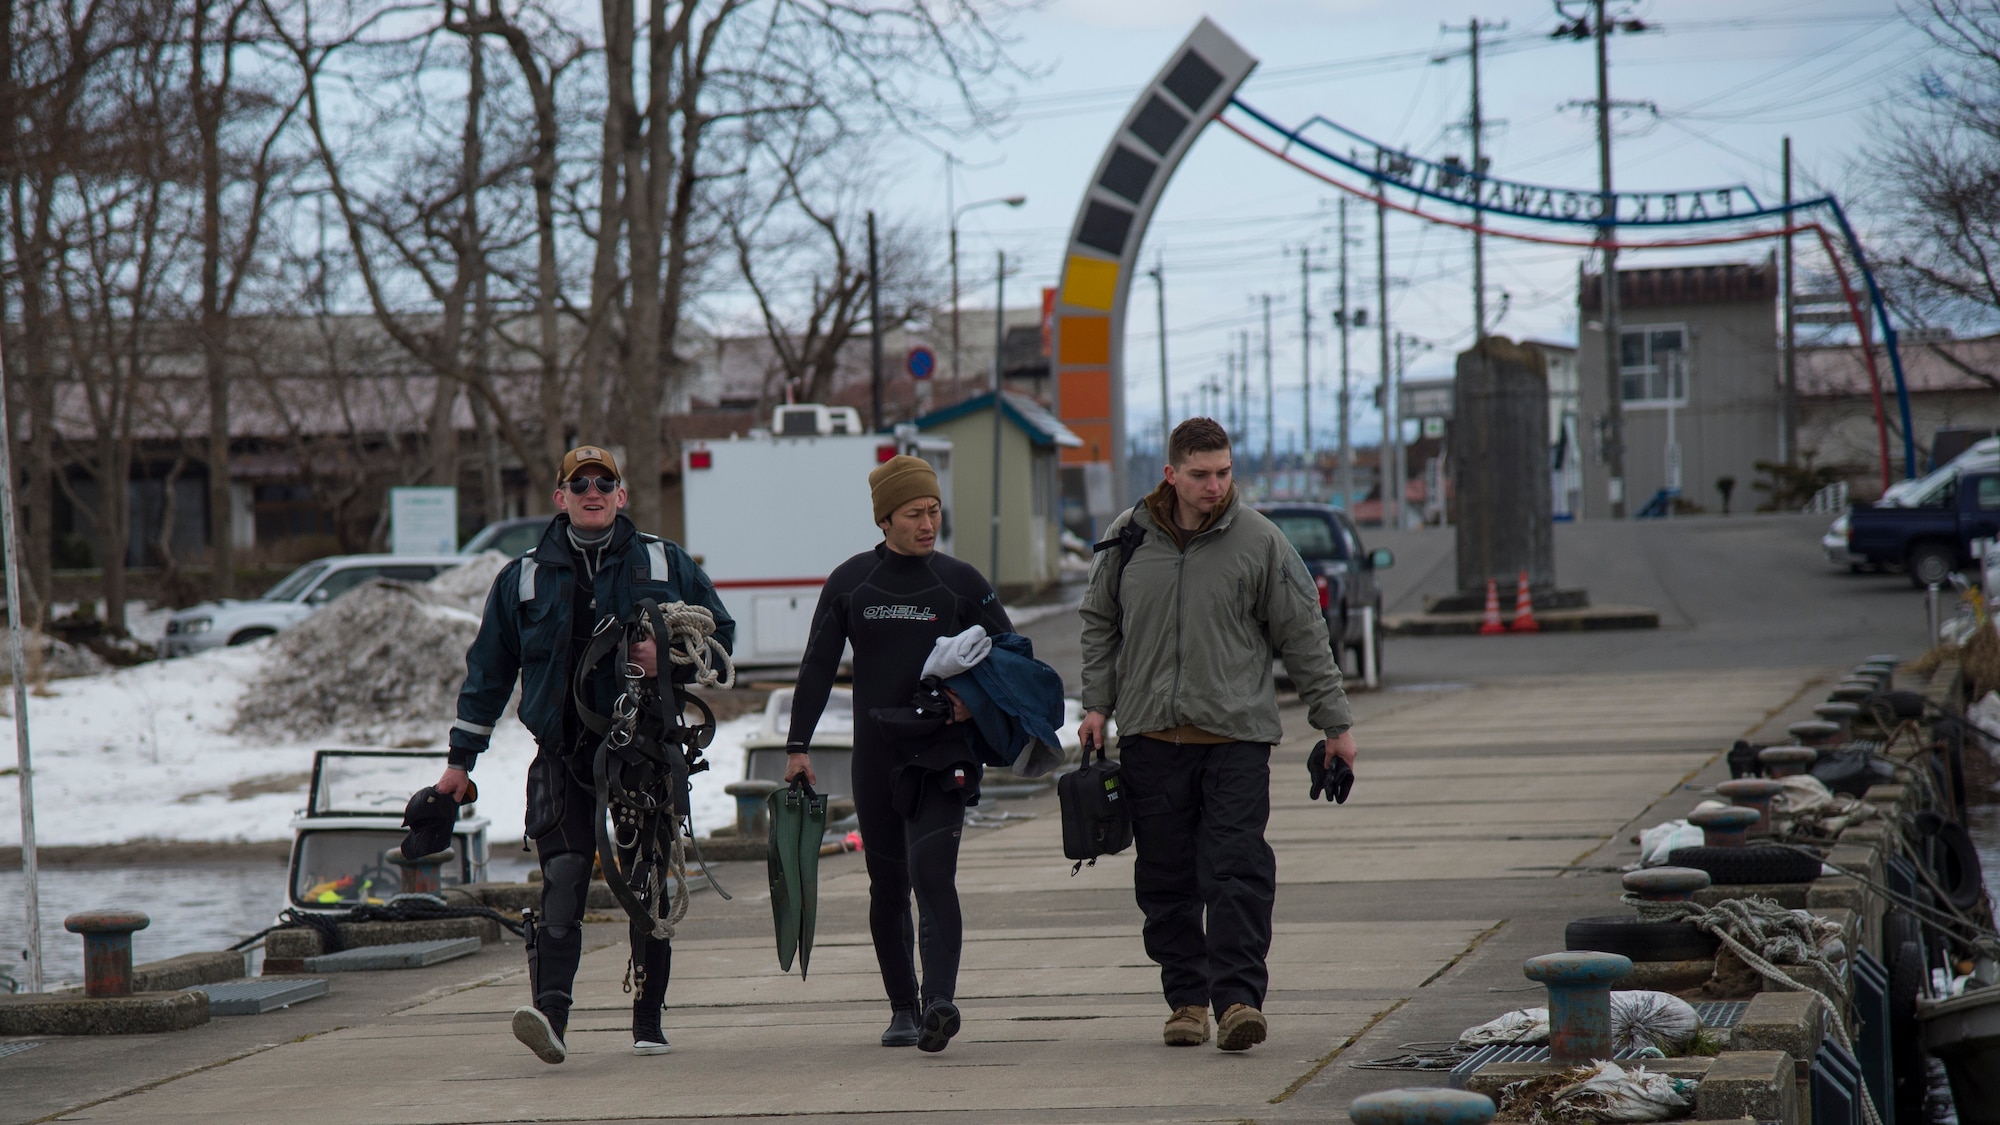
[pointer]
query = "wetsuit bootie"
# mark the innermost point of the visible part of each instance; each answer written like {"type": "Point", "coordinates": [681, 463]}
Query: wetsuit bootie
{"type": "Point", "coordinates": [902, 1029]}
{"type": "Point", "coordinates": [541, 1033]}
{"type": "Point", "coordinates": [940, 1024]}
{"type": "Point", "coordinates": [647, 1038]}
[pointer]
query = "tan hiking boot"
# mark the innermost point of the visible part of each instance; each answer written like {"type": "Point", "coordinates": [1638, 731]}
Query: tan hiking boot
{"type": "Point", "coordinates": [1240, 1028]}
{"type": "Point", "coordinates": [1187, 1027]}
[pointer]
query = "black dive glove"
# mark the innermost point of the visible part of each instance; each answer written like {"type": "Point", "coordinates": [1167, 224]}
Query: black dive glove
{"type": "Point", "coordinates": [1337, 785]}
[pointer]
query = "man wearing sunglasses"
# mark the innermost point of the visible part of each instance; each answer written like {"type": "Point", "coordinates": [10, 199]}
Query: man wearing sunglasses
{"type": "Point", "coordinates": [591, 563]}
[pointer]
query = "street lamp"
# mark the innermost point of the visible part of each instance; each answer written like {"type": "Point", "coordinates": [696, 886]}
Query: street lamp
{"type": "Point", "coordinates": [1009, 200]}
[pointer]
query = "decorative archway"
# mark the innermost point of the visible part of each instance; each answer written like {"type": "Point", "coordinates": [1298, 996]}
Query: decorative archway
{"type": "Point", "coordinates": [1199, 83]}
{"type": "Point", "coordinates": [1088, 320]}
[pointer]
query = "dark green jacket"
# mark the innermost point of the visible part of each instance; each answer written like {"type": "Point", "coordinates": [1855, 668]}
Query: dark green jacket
{"type": "Point", "coordinates": [525, 631]}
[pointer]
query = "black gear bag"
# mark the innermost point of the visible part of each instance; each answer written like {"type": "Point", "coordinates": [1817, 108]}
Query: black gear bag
{"type": "Point", "coordinates": [1096, 818]}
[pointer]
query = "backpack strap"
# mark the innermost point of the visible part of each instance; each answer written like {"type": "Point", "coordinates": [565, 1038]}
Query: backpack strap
{"type": "Point", "coordinates": [1127, 541]}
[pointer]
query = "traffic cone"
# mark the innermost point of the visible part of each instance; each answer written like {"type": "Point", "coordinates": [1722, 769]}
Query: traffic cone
{"type": "Point", "coordinates": [1524, 608]}
{"type": "Point", "coordinates": [1492, 625]}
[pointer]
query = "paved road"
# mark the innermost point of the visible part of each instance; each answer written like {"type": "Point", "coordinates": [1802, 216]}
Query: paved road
{"type": "Point", "coordinates": [1736, 591]}
{"type": "Point", "coordinates": [1499, 779]}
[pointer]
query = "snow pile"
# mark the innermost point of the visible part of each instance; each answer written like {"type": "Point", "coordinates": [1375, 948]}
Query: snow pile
{"type": "Point", "coordinates": [382, 663]}
{"type": "Point", "coordinates": [51, 659]}
{"type": "Point", "coordinates": [466, 586]}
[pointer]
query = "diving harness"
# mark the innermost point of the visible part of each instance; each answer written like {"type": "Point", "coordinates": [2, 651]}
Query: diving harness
{"type": "Point", "coordinates": [646, 751]}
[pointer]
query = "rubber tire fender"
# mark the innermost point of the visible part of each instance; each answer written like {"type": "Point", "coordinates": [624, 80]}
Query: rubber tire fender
{"type": "Point", "coordinates": [1639, 940]}
{"type": "Point", "coordinates": [1953, 861]}
{"type": "Point", "coordinates": [1906, 1048]}
{"type": "Point", "coordinates": [1748, 865]}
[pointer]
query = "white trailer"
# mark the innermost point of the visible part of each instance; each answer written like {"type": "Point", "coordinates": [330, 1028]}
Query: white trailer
{"type": "Point", "coordinates": [770, 515]}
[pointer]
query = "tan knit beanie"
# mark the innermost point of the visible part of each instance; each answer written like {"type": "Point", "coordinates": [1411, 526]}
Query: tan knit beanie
{"type": "Point", "coordinates": [898, 481]}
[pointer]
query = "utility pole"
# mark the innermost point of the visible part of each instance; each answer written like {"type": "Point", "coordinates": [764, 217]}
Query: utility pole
{"type": "Point", "coordinates": [874, 329]}
{"type": "Point", "coordinates": [1788, 411]}
{"type": "Point", "coordinates": [1346, 392]}
{"type": "Point", "coordinates": [1305, 365]}
{"type": "Point", "coordinates": [1270, 401]}
{"type": "Point", "coordinates": [1229, 391]}
{"type": "Point", "coordinates": [1476, 126]}
{"type": "Point", "coordinates": [1392, 489]}
{"type": "Point", "coordinates": [999, 386]}
{"type": "Point", "coordinates": [1160, 287]}
{"type": "Point", "coordinates": [1243, 372]}
{"type": "Point", "coordinates": [1614, 410]}
{"type": "Point", "coordinates": [1599, 31]}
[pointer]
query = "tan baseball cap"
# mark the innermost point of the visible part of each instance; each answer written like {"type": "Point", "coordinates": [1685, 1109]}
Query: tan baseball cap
{"type": "Point", "coordinates": [584, 456]}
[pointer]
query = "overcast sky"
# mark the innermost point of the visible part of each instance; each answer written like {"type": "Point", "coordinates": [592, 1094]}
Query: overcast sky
{"type": "Point", "coordinates": [1729, 80]}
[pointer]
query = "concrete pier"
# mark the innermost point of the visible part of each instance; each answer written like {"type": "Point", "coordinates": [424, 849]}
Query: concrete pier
{"type": "Point", "coordinates": [1486, 817]}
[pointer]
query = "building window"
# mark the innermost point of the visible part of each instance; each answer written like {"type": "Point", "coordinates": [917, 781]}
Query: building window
{"type": "Point", "coordinates": [1652, 365]}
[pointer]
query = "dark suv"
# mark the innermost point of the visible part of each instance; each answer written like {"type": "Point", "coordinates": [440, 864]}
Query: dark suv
{"type": "Point", "coordinates": [1342, 570]}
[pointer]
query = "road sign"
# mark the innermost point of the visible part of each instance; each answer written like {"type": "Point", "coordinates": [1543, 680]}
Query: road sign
{"type": "Point", "coordinates": [920, 362]}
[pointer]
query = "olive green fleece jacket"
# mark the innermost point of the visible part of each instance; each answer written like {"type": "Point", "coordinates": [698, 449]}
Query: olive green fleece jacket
{"type": "Point", "coordinates": [1187, 637]}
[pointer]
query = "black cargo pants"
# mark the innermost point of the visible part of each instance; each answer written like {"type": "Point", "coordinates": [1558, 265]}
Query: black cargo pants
{"type": "Point", "coordinates": [1198, 817]}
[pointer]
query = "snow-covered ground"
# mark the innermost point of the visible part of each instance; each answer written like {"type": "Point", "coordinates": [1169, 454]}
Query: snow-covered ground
{"type": "Point", "coordinates": [145, 753]}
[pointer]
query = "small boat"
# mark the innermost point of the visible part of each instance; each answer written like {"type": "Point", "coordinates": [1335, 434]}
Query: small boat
{"type": "Point", "coordinates": [833, 747]}
{"type": "Point", "coordinates": [353, 819]}
{"type": "Point", "coordinates": [832, 744]}
{"type": "Point", "coordinates": [1963, 1031]}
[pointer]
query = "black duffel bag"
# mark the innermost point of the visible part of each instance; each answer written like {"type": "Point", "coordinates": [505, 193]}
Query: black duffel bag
{"type": "Point", "coordinates": [1096, 818]}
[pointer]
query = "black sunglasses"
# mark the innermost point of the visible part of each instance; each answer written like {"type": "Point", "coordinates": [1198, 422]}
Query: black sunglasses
{"type": "Point", "coordinates": [581, 485]}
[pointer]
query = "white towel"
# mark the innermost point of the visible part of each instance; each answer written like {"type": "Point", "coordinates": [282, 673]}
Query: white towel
{"type": "Point", "coordinates": [952, 655]}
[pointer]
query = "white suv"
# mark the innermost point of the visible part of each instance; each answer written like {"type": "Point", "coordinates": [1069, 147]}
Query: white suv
{"type": "Point", "coordinates": [232, 622]}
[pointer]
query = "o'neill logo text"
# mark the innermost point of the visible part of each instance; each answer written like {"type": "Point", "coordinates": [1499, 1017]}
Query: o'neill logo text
{"type": "Point", "coordinates": [898, 613]}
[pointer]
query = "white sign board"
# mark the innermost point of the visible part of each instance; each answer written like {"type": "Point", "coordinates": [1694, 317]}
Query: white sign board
{"type": "Point", "coordinates": [423, 521]}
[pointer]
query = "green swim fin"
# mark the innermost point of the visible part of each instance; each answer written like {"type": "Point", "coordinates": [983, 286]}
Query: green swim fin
{"type": "Point", "coordinates": [812, 831]}
{"type": "Point", "coordinates": [787, 815]}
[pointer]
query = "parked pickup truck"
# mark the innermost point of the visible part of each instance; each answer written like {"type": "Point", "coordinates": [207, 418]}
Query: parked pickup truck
{"type": "Point", "coordinates": [1935, 537]}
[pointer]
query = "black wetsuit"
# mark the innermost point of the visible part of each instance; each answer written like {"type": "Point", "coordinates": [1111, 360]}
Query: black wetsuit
{"type": "Point", "coordinates": [892, 608]}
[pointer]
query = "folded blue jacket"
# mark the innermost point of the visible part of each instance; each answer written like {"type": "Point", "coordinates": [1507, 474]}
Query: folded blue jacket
{"type": "Point", "coordinates": [1016, 703]}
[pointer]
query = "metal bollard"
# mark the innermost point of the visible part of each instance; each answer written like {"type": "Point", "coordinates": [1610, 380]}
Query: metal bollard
{"type": "Point", "coordinates": [1842, 713]}
{"type": "Point", "coordinates": [1752, 793]}
{"type": "Point", "coordinates": [1421, 1105]}
{"type": "Point", "coordinates": [1579, 987]}
{"type": "Point", "coordinates": [753, 815]}
{"type": "Point", "coordinates": [1931, 610]}
{"type": "Point", "coordinates": [1666, 884]}
{"type": "Point", "coordinates": [1817, 733]}
{"type": "Point", "coordinates": [1851, 691]}
{"type": "Point", "coordinates": [423, 875]}
{"type": "Point", "coordinates": [1884, 671]}
{"type": "Point", "coordinates": [1786, 761]}
{"type": "Point", "coordinates": [107, 949]}
{"type": "Point", "coordinates": [1723, 828]}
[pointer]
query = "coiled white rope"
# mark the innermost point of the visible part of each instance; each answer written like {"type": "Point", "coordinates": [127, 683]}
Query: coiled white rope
{"type": "Point", "coordinates": [1781, 936]}
{"type": "Point", "coordinates": [690, 641]}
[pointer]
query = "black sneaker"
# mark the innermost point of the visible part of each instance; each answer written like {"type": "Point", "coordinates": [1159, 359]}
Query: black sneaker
{"type": "Point", "coordinates": [647, 1038]}
{"type": "Point", "coordinates": [940, 1024]}
{"type": "Point", "coordinates": [902, 1029]}
{"type": "Point", "coordinates": [541, 1036]}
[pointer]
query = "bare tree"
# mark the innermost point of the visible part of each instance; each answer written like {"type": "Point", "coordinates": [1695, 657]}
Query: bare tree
{"type": "Point", "coordinates": [231, 237]}
{"type": "Point", "coordinates": [1937, 169]}
{"type": "Point", "coordinates": [714, 75]}
{"type": "Point", "coordinates": [50, 57]}
{"type": "Point", "coordinates": [803, 254]}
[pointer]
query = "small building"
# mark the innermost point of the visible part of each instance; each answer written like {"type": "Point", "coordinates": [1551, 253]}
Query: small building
{"type": "Point", "coordinates": [1953, 385]}
{"type": "Point", "coordinates": [1698, 376]}
{"type": "Point", "coordinates": [1031, 439]}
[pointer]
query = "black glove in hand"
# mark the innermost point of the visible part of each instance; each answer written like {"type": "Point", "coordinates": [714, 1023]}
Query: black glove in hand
{"type": "Point", "coordinates": [1338, 784]}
